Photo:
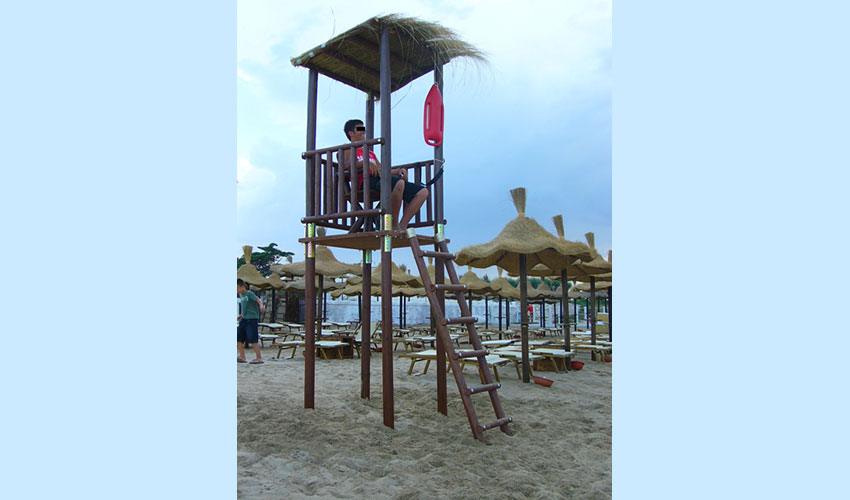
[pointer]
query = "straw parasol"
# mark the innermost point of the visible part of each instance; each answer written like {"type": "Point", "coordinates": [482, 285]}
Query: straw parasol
{"type": "Point", "coordinates": [521, 245]}
{"type": "Point", "coordinates": [326, 264]}
{"type": "Point", "coordinates": [248, 273]}
{"type": "Point", "coordinates": [350, 57]}
{"type": "Point", "coordinates": [523, 236]}
{"type": "Point", "coordinates": [300, 284]}
{"type": "Point", "coordinates": [399, 277]}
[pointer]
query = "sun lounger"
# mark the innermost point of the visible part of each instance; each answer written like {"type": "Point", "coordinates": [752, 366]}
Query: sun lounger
{"type": "Point", "coordinates": [555, 355]}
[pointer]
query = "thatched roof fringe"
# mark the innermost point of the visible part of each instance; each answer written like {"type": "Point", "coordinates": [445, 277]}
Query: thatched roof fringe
{"type": "Point", "coordinates": [518, 195]}
{"type": "Point", "coordinates": [559, 225]}
{"type": "Point", "coordinates": [590, 240]}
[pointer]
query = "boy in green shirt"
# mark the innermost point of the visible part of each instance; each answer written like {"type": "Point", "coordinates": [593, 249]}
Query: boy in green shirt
{"type": "Point", "coordinates": [251, 306]}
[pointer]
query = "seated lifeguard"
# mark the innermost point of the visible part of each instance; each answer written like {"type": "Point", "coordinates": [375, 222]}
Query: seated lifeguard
{"type": "Point", "coordinates": [413, 195]}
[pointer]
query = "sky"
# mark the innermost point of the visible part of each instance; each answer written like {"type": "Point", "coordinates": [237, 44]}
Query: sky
{"type": "Point", "coordinates": [537, 116]}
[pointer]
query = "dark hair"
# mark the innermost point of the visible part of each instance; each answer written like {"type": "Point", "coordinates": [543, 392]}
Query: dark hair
{"type": "Point", "coordinates": [349, 126]}
{"type": "Point", "coordinates": [240, 282]}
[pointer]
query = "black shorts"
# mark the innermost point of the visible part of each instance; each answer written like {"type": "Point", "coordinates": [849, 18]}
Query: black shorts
{"type": "Point", "coordinates": [410, 188]}
{"type": "Point", "coordinates": [248, 331]}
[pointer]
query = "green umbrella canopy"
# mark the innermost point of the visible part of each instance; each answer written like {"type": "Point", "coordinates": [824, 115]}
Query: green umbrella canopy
{"type": "Point", "coordinates": [249, 274]}
{"type": "Point", "coordinates": [523, 236]}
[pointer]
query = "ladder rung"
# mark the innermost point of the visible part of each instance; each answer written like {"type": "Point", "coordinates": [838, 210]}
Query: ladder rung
{"type": "Point", "coordinates": [472, 354]}
{"type": "Point", "coordinates": [450, 287]}
{"type": "Point", "coordinates": [438, 255]}
{"type": "Point", "coordinates": [482, 388]}
{"type": "Point", "coordinates": [497, 423]}
{"type": "Point", "coordinates": [462, 319]}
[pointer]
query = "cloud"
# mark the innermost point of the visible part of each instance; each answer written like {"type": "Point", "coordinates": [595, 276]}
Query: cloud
{"type": "Point", "coordinates": [242, 75]}
{"type": "Point", "coordinates": [253, 184]}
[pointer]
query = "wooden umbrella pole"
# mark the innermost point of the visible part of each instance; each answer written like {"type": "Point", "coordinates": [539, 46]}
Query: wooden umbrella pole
{"type": "Point", "coordinates": [565, 305]}
{"type": "Point", "coordinates": [320, 312]}
{"type": "Point", "coordinates": [592, 316]}
{"type": "Point", "coordinates": [500, 316]}
{"type": "Point", "coordinates": [523, 306]}
{"type": "Point", "coordinates": [610, 295]}
{"type": "Point", "coordinates": [366, 325]}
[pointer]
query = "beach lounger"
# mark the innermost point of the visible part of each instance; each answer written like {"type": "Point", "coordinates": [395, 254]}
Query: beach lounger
{"type": "Point", "coordinates": [555, 355]}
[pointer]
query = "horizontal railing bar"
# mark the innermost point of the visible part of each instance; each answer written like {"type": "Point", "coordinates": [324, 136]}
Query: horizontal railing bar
{"type": "Point", "coordinates": [415, 164]}
{"type": "Point", "coordinates": [315, 152]}
{"type": "Point", "coordinates": [339, 215]}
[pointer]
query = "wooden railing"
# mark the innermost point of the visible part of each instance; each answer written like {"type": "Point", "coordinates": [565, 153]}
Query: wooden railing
{"type": "Point", "coordinates": [335, 200]}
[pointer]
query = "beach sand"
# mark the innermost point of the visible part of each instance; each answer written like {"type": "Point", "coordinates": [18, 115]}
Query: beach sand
{"type": "Point", "coordinates": [560, 447]}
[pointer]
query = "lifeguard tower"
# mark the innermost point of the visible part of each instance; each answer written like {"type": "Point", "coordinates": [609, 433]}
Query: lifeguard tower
{"type": "Point", "coordinates": [379, 57]}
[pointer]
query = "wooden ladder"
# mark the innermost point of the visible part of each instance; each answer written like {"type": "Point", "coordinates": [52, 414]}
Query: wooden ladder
{"type": "Point", "coordinates": [443, 257]}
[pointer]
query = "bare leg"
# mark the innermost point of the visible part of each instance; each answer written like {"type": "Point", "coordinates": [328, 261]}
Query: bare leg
{"type": "Point", "coordinates": [398, 192]}
{"type": "Point", "coordinates": [257, 351]}
{"type": "Point", "coordinates": [241, 351]}
{"type": "Point", "coordinates": [413, 207]}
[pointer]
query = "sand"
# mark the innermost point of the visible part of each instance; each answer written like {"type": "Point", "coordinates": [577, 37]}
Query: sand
{"type": "Point", "coordinates": [560, 447]}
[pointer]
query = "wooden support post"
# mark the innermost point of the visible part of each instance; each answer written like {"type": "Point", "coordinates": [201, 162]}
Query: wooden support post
{"type": "Point", "coordinates": [439, 270]}
{"type": "Point", "coordinates": [565, 305]}
{"type": "Point", "coordinates": [386, 246]}
{"type": "Point", "coordinates": [320, 311]}
{"type": "Point", "coordinates": [592, 315]}
{"type": "Point", "coordinates": [310, 254]}
{"type": "Point", "coordinates": [500, 315]}
{"type": "Point", "coordinates": [486, 313]}
{"type": "Point", "coordinates": [523, 306]}
{"type": "Point", "coordinates": [610, 330]}
{"type": "Point", "coordinates": [366, 325]}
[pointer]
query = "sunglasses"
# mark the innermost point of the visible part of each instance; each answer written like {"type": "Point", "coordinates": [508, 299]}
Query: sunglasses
{"type": "Point", "coordinates": [360, 128]}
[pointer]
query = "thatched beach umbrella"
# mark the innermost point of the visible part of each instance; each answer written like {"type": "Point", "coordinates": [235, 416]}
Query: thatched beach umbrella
{"type": "Point", "coordinates": [328, 266]}
{"type": "Point", "coordinates": [399, 277]}
{"type": "Point", "coordinates": [522, 244]}
{"type": "Point", "coordinates": [504, 290]}
{"type": "Point", "coordinates": [587, 270]}
{"type": "Point", "coordinates": [248, 273]}
{"type": "Point", "coordinates": [477, 286]}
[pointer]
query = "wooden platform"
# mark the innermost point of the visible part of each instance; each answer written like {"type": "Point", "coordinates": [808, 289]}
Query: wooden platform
{"type": "Point", "coordinates": [367, 240]}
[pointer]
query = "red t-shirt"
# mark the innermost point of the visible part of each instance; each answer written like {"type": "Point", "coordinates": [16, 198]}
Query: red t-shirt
{"type": "Point", "coordinates": [372, 157]}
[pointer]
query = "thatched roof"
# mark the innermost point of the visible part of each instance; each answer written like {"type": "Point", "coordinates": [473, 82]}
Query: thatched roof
{"type": "Point", "coordinates": [299, 285]}
{"type": "Point", "coordinates": [249, 274]}
{"type": "Point", "coordinates": [586, 268]}
{"type": "Point", "coordinates": [541, 292]}
{"type": "Point", "coordinates": [505, 289]}
{"type": "Point", "coordinates": [352, 290]}
{"type": "Point", "coordinates": [416, 47]}
{"type": "Point", "coordinates": [475, 284]}
{"type": "Point", "coordinates": [523, 236]}
{"type": "Point", "coordinates": [399, 277]}
{"type": "Point", "coordinates": [326, 265]}
{"type": "Point", "coordinates": [585, 287]}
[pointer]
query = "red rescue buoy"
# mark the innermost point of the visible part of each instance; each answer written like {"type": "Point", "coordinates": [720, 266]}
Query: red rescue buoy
{"type": "Point", "coordinates": [432, 125]}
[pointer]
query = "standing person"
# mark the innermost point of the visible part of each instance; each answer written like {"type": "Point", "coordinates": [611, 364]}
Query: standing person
{"type": "Point", "coordinates": [248, 330]}
{"type": "Point", "coordinates": [413, 195]}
